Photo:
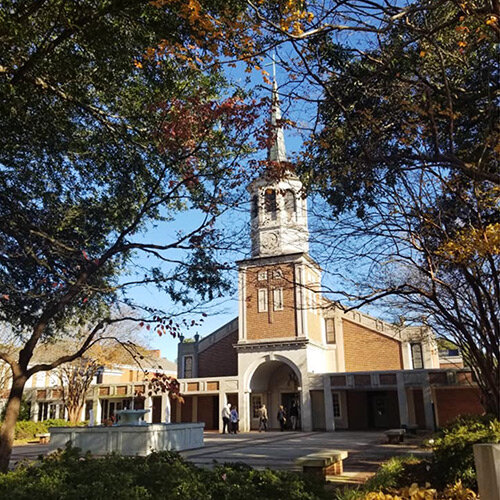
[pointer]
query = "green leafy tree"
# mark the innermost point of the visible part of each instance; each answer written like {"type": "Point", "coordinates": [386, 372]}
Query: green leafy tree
{"type": "Point", "coordinates": [100, 138]}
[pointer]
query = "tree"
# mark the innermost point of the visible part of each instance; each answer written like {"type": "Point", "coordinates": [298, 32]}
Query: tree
{"type": "Point", "coordinates": [407, 158]}
{"type": "Point", "coordinates": [75, 379]}
{"type": "Point", "coordinates": [99, 139]}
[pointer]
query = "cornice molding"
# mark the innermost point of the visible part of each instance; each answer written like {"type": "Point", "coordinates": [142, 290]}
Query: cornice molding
{"type": "Point", "coordinates": [275, 345]}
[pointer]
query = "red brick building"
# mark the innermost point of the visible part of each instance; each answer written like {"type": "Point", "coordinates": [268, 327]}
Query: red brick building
{"type": "Point", "coordinates": [346, 370]}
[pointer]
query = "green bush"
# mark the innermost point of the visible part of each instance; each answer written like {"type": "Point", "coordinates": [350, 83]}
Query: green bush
{"type": "Point", "coordinates": [453, 458]}
{"type": "Point", "coordinates": [27, 429]}
{"type": "Point", "coordinates": [165, 475]}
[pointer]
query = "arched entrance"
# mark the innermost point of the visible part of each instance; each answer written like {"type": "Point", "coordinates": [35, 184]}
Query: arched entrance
{"type": "Point", "coordinates": [273, 383]}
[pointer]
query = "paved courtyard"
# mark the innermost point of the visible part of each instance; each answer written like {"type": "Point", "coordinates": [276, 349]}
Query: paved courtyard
{"type": "Point", "coordinates": [278, 450]}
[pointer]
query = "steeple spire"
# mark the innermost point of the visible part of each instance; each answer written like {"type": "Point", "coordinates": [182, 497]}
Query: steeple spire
{"type": "Point", "coordinates": [277, 151]}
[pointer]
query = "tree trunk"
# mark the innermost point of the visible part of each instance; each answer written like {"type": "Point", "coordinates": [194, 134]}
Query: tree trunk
{"type": "Point", "coordinates": [74, 414]}
{"type": "Point", "coordinates": [7, 431]}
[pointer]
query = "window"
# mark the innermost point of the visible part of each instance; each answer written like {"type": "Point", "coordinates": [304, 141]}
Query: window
{"type": "Point", "coordinates": [188, 367]}
{"type": "Point", "coordinates": [255, 206]}
{"type": "Point", "coordinates": [256, 404]}
{"type": "Point", "coordinates": [290, 204]}
{"type": "Point", "coordinates": [278, 299]}
{"type": "Point", "coordinates": [262, 276]}
{"type": "Point", "coordinates": [336, 404]}
{"type": "Point", "coordinates": [262, 305]}
{"type": "Point", "coordinates": [52, 411]}
{"type": "Point", "coordinates": [330, 331]}
{"type": "Point", "coordinates": [270, 203]}
{"type": "Point", "coordinates": [43, 411]}
{"type": "Point", "coordinates": [417, 358]}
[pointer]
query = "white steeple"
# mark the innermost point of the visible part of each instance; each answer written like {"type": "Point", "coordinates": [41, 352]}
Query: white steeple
{"type": "Point", "coordinates": [277, 151]}
{"type": "Point", "coordinates": [279, 210]}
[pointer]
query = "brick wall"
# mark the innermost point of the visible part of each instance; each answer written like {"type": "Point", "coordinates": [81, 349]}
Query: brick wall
{"type": "Point", "coordinates": [270, 324]}
{"type": "Point", "coordinates": [366, 349]}
{"type": "Point", "coordinates": [453, 366]}
{"type": "Point", "coordinates": [451, 402]}
{"type": "Point", "coordinates": [220, 359]}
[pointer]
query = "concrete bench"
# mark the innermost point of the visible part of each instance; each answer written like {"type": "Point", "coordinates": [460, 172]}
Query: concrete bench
{"type": "Point", "coordinates": [43, 438]}
{"type": "Point", "coordinates": [323, 463]}
{"type": "Point", "coordinates": [412, 428]}
{"type": "Point", "coordinates": [395, 436]}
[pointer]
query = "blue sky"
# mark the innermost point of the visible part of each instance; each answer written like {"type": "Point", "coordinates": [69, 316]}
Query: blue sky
{"type": "Point", "coordinates": [222, 310]}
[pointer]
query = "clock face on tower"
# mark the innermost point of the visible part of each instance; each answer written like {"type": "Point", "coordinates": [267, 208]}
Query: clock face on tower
{"type": "Point", "coordinates": [269, 241]}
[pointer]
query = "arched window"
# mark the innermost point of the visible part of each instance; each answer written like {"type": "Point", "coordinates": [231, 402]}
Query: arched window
{"type": "Point", "coordinates": [290, 204]}
{"type": "Point", "coordinates": [270, 203]}
{"type": "Point", "coordinates": [255, 206]}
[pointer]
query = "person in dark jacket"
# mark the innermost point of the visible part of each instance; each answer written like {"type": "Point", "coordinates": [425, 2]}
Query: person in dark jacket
{"type": "Point", "coordinates": [282, 418]}
{"type": "Point", "coordinates": [235, 418]}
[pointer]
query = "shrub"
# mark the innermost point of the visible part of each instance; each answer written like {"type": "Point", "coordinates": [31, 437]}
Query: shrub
{"type": "Point", "coordinates": [27, 429]}
{"type": "Point", "coordinates": [398, 472]}
{"type": "Point", "coordinates": [68, 475]}
{"type": "Point", "coordinates": [453, 458]}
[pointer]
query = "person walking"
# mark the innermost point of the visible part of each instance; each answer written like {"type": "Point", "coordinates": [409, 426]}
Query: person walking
{"type": "Point", "coordinates": [294, 415]}
{"type": "Point", "coordinates": [282, 418]}
{"type": "Point", "coordinates": [263, 418]}
{"type": "Point", "coordinates": [234, 420]}
{"type": "Point", "coordinates": [226, 417]}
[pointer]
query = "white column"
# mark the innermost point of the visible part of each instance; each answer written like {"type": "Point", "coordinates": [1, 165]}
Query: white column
{"type": "Point", "coordinates": [244, 411]}
{"type": "Point", "coordinates": [222, 403]}
{"type": "Point", "coordinates": [339, 341]}
{"type": "Point", "coordinates": [305, 402]}
{"type": "Point", "coordinates": [242, 304]}
{"type": "Point", "coordinates": [427, 398]}
{"type": "Point", "coordinates": [34, 407]}
{"type": "Point", "coordinates": [97, 411]}
{"type": "Point", "coordinates": [299, 310]}
{"type": "Point", "coordinates": [329, 418]}
{"type": "Point", "coordinates": [487, 460]}
{"type": "Point", "coordinates": [402, 399]}
{"type": "Point", "coordinates": [148, 405]}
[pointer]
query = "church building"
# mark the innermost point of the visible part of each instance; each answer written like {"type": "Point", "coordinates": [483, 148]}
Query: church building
{"type": "Point", "coordinates": [345, 370]}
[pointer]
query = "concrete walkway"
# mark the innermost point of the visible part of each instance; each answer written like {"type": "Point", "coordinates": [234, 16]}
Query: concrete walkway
{"type": "Point", "coordinates": [278, 450]}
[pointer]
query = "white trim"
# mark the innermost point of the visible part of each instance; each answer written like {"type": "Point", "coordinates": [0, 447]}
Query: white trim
{"type": "Point", "coordinates": [278, 299]}
{"type": "Point", "coordinates": [262, 300]}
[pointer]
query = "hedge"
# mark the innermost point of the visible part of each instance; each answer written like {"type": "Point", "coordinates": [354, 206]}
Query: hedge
{"type": "Point", "coordinates": [27, 429]}
{"type": "Point", "coordinates": [165, 475]}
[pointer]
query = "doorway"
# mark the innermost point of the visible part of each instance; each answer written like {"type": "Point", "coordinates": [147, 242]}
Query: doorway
{"type": "Point", "coordinates": [288, 400]}
{"type": "Point", "coordinates": [273, 383]}
{"type": "Point", "coordinates": [156, 410]}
